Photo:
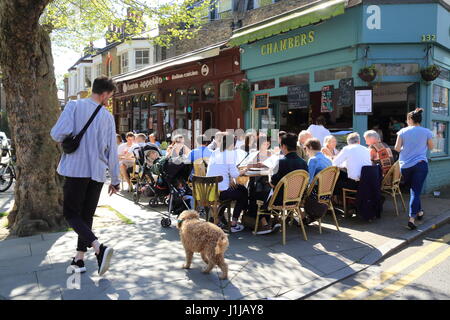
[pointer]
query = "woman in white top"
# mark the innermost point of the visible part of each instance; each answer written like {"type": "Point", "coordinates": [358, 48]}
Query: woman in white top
{"type": "Point", "coordinates": [223, 163]}
{"type": "Point", "coordinates": [329, 147]}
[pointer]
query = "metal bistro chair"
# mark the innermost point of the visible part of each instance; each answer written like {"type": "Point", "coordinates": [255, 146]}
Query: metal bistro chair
{"type": "Point", "coordinates": [206, 194]}
{"type": "Point", "coordinates": [295, 184]}
{"type": "Point", "coordinates": [326, 181]}
{"type": "Point", "coordinates": [391, 184]}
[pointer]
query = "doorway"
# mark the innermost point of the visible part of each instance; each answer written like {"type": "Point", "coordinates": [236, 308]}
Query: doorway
{"type": "Point", "coordinates": [391, 103]}
{"type": "Point", "coordinates": [203, 118]}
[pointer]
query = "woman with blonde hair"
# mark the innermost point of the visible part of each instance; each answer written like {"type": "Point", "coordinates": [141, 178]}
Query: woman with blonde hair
{"type": "Point", "coordinates": [329, 147]}
{"type": "Point", "coordinates": [178, 148]}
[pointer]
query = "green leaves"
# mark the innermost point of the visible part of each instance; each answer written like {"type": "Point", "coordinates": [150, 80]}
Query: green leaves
{"type": "Point", "coordinates": [75, 23]}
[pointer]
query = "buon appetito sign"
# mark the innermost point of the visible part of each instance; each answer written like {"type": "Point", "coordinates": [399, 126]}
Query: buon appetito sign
{"type": "Point", "coordinates": [299, 40]}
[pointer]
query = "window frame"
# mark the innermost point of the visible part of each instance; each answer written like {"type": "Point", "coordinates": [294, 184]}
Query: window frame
{"type": "Point", "coordinates": [141, 65]}
{"type": "Point", "coordinates": [122, 60]}
{"type": "Point", "coordinates": [437, 117]}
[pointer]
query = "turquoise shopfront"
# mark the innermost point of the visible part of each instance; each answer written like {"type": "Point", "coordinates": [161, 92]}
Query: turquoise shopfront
{"type": "Point", "coordinates": [397, 39]}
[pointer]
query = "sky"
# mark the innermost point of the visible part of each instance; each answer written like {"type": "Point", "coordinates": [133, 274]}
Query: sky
{"type": "Point", "coordinates": [64, 58]}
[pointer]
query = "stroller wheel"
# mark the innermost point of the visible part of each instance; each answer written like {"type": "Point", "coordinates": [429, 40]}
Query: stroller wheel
{"type": "Point", "coordinates": [153, 203]}
{"type": "Point", "coordinates": [166, 222]}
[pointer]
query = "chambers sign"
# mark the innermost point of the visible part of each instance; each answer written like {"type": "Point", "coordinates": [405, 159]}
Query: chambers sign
{"type": "Point", "coordinates": [296, 41]}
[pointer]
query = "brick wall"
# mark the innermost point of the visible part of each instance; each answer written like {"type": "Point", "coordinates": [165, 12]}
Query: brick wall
{"type": "Point", "coordinates": [221, 30]}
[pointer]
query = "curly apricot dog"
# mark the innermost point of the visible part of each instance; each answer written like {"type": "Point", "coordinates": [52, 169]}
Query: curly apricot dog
{"type": "Point", "coordinates": [203, 237]}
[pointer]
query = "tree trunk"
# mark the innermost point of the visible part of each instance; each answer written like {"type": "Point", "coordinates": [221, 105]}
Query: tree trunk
{"type": "Point", "coordinates": [32, 106]}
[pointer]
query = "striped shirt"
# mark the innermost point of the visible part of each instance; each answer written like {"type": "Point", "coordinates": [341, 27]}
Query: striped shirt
{"type": "Point", "coordinates": [98, 147]}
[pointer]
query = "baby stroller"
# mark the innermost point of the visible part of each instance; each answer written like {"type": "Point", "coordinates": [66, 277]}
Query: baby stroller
{"type": "Point", "coordinates": [145, 183]}
{"type": "Point", "coordinates": [175, 174]}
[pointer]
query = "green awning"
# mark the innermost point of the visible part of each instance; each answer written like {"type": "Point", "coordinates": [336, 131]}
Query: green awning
{"type": "Point", "coordinates": [289, 21]}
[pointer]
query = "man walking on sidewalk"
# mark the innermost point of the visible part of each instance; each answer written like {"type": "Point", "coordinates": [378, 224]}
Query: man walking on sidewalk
{"type": "Point", "coordinates": [85, 168]}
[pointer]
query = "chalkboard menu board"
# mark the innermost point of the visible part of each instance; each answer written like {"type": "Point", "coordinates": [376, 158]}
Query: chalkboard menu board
{"type": "Point", "coordinates": [261, 101]}
{"type": "Point", "coordinates": [298, 97]}
{"type": "Point", "coordinates": [326, 100]}
{"type": "Point", "coordinates": [345, 93]}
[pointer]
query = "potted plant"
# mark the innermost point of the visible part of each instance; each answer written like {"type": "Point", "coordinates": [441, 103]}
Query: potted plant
{"type": "Point", "coordinates": [368, 74]}
{"type": "Point", "coordinates": [244, 90]}
{"type": "Point", "coordinates": [430, 73]}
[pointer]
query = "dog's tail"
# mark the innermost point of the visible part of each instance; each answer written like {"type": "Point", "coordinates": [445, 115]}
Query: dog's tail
{"type": "Point", "coordinates": [222, 244]}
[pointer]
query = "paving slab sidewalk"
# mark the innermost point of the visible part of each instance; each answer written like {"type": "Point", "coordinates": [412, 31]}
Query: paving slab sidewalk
{"type": "Point", "coordinates": [148, 258]}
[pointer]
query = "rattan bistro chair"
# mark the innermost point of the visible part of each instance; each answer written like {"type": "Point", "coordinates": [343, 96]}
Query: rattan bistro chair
{"type": "Point", "coordinates": [200, 167]}
{"type": "Point", "coordinates": [391, 184]}
{"type": "Point", "coordinates": [295, 184]}
{"type": "Point", "coordinates": [326, 181]}
{"type": "Point", "coordinates": [206, 194]}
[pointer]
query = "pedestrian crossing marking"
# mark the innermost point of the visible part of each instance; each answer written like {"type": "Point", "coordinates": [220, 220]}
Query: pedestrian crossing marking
{"type": "Point", "coordinates": [391, 272]}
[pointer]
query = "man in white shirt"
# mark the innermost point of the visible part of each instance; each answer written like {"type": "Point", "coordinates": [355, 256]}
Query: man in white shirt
{"type": "Point", "coordinates": [126, 158]}
{"type": "Point", "coordinates": [318, 130]}
{"type": "Point", "coordinates": [352, 157]}
{"type": "Point", "coordinates": [223, 162]}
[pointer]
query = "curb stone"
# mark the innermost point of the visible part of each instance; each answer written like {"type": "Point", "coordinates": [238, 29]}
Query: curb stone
{"type": "Point", "coordinates": [376, 255]}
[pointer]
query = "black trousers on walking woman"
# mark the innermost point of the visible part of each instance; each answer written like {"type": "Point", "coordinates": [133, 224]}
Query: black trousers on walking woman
{"type": "Point", "coordinates": [81, 197]}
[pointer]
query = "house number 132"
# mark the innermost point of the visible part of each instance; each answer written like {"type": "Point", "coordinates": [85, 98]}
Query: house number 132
{"type": "Point", "coordinates": [428, 37]}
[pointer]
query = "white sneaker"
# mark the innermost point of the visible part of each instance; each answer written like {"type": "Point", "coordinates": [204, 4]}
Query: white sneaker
{"type": "Point", "coordinates": [237, 228]}
{"type": "Point", "coordinates": [264, 230]}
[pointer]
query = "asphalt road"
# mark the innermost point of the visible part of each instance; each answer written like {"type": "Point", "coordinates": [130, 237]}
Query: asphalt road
{"type": "Point", "coordinates": [418, 272]}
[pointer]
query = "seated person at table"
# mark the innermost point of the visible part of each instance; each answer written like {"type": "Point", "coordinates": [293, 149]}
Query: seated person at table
{"type": "Point", "coordinates": [380, 153]}
{"type": "Point", "coordinates": [223, 163]}
{"type": "Point", "coordinates": [352, 157]}
{"type": "Point", "coordinates": [152, 139]}
{"type": "Point", "coordinates": [178, 148]}
{"type": "Point", "coordinates": [317, 161]}
{"type": "Point", "coordinates": [201, 151]}
{"type": "Point", "coordinates": [256, 158]}
{"type": "Point", "coordinates": [302, 137]}
{"type": "Point", "coordinates": [276, 149]}
{"type": "Point", "coordinates": [329, 147]}
{"type": "Point", "coordinates": [126, 158]}
{"type": "Point", "coordinates": [290, 162]}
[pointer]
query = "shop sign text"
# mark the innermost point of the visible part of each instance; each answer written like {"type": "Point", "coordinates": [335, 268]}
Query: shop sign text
{"type": "Point", "coordinates": [289, 43]}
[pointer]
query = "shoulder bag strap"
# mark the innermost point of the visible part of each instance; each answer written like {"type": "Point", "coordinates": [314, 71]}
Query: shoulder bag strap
{"type": "Point", "coordinates": [81, 133]}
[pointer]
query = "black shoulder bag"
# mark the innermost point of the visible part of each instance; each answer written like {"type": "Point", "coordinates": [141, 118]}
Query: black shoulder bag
{"type": "Point", "coordinates": [71, 143]}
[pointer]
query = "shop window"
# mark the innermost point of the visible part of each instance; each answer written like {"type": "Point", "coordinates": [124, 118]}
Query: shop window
{"type": "Point", "coordinates": [263, 85]}
{"type": "Point", "coordinates": [208, 91]}
{"type": "Point", "coordinates": [181, 101]}
{"type": "Point", "coordinates": [333, 74]}
{"type": "Point", "coordinates": [295, 80]}
{"type": "Point", "coordinates": [153, 99]}
{"type": "Point", "coordinates": [440, 100]}
{"type": "Point", "coordinates": [439, 129]}
{"type": "Point", "coordinates": [193, 96]}
{"type": "Point", "coordinates": [268, 118]}
{"type": "Point", "coordinates": [136, 113]}
{"type": "Point", "coordinates": [123, 124]}
{"type": "Point", "coordinates": [226, 90]}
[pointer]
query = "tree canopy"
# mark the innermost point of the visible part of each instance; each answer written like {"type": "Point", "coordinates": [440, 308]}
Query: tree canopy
{"type": "Point", "coordinates": [76, 23]}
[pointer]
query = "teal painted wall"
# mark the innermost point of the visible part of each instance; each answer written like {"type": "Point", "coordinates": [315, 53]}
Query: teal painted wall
{"type": "Point", "coordinates": [343, 41]}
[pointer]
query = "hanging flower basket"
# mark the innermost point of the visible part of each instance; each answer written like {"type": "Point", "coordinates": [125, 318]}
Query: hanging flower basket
{"type": "Point", "coordinates": [430, 73]}
{"type": "Point", "coordinates": [244, 91]}
{"type": "Point", "coordinates": [368, 74]}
